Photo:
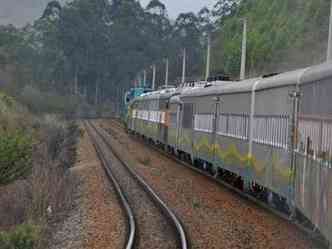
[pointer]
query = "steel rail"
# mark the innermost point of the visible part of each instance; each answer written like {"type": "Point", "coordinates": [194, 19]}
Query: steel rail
{"type": "Point", "coordinates": [161, 204]}
{"type": "Point", "coordinates": [314, 236]}
{"type": "Point", "coordinates": [124, 201]}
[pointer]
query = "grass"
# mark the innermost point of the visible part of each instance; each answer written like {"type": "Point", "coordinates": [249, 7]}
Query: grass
{"type": "Point", "coordinates": [25, 236]}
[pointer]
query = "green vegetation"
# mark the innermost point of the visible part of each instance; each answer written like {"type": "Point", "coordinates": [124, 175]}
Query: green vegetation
{"type": "Point", "coordinates": [282, 35]}
{"type": "Point", "coordinates": [36, 153]}
{"type": "Point", "coordinates": [15, 143]}
{"type": "Point", "coordinates": [39, 102]}
{"type": "Point", "coordinates": [23, 237]}
{"type": "Point", "coordinates": [94, 50]}
{"type": "Point", "coordinates": [86, 53]}
{"type": "Point", "coordinates": [15, 156]}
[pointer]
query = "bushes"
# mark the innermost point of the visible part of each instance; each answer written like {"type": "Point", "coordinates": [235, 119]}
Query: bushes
{"type": "Point", "coordinates": [24, 237]}
{"type": "Point", "coordinates": [45, 192]}
{"type": "Point", "coordinates": [50, 184]}
{"type": "Point", "coordinates": [15, 156]}
{"type": "Point", "coordinates": [40, 102]}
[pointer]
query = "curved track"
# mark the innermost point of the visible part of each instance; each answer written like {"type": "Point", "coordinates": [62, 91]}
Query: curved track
{"type": "Point", "coordinates": [312, 234]}
{"type": "Point", "coordinates": [151, 223]}
{"type": "Point", "coordinates": [121, 194]}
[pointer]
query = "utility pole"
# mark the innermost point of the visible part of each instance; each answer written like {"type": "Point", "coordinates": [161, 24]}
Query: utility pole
{"type": "Point", "coordinates": [97, 92]}
{"type": "Point", "coordinates": [153, 77]}
{"type": "Point", "coordinates": [329, 47]}
{"type": "Point", "coordinates": [166, 76]}
{"type": "Point", "coordinates": [144, 78]}
{"type": "Point", "coordinates": [76, 81]}
{"type": "Point", "coordinates": [184, 66]}
{"type": "Point", "coordinates": [329, 59]}
{"type": "Point", "coordinates": [139, 79]}
{"type": "Point", "coordinates": [244, 51]}
{"type": "Point", "coordinates": [208, 58]}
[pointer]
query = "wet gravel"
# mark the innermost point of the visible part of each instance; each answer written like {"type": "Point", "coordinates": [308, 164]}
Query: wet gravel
{"type": "Point", "coordinates": [213, 216]}
{"type": "Point", "coordinates": [154, 230]}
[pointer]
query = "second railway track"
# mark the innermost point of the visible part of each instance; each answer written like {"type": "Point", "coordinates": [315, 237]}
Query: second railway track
{"type": "Point", "coordinates": [151, 223]}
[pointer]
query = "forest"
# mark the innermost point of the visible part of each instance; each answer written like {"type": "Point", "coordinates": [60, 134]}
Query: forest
{"type": "Point", "coordinates": [84, 55]}
{"type": "Point", "coordinates": [95, 50]}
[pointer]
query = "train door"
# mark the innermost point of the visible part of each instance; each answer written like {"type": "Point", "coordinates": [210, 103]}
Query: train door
{"type": "Point", "coordinates": [186, 132]}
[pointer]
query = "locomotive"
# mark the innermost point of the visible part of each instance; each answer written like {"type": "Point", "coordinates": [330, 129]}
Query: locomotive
{"type": "Point", "coordinates": [270, 136]}
{"type": "Point", "coordinates": [131, 95]}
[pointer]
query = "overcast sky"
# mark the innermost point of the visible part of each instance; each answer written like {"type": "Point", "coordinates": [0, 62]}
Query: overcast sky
{"type": "Point", "coordinates": [175, 7]}
{"type": "Point", "coordinates": [19, 12]}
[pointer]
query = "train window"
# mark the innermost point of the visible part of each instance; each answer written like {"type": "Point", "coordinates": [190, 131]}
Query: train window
{"type": "Point", "coordinates": [156, 105]}
{"type": "Point", "coordinates": [203, 122]}
{"type": "Point", "coordinates": [143, 115]}
{"type": "Point", "coordinates": [271, 130]}
{"type": "Point", "coordinates": [187, 121]}
{"type": "Point", "coordinates": [173, 120]}
{"type": "Point", "coordinates": [234, 125]}
{"type": "Point", "coordinates": [314, 135]}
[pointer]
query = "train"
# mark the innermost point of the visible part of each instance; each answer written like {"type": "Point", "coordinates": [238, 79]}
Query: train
{"type": "Point", "coordinates": [270, 136]}
{"type": "Point", "coordinates": [131, 95]}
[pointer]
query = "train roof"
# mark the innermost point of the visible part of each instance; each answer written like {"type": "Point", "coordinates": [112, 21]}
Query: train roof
{"type": "Point", "coordinates": [160, 94]}
{"type": "Point", "coordinates": [202, 88]}
{"type": "Point", "coordinates": [296, 77]}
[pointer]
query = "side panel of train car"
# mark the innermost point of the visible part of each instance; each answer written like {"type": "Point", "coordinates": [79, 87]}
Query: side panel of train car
{"type": "Point", "coordinates": [313, 154]}
{"type": "Point", "coordinates": [150, 117]}
{"type": "Point", "coordinates": [275, 132]}
{"type": "Point", "coordinates": [220, 134]}
{"type": "Point", "coordinates": [129, 97]}
{"type": "Point", "coordinates": [173, 123]}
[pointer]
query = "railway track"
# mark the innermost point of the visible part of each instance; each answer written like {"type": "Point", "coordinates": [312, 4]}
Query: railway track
{"type": "Point", "coordinates": [313, 234]}
{"type": "Point", "coordinates": [151, 224]}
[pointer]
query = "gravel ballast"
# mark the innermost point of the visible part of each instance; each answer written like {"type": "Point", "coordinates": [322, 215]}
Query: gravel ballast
{"type": "Point", "coordinates": [153, 229]}
{"type": "Point", "coordinates": [213, 216]}
{"type": "Point", "coordinates": [97, 220]}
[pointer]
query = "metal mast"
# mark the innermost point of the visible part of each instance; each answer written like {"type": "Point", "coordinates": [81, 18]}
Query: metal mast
{"type": "Point", "coordinates": [208, 58]}
{"type": "Point", "coordinates": [153, 77]}
{"type": "Point", "coordinates": [244, 51]}
{"type": "Point", "coordinates": [329, 47]}
{"type": "Point", "coordinates": [144, 78]}
{"type": "Point", "coordinates": [167, 69]}
{"type": "Point", "coordinates": [184, 66]}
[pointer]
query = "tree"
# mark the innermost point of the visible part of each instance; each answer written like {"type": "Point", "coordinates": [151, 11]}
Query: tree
{"type": "Point", "coordinates": [156, 7]}
{"type": "Point", "coordinates": [205, 18]}
{"type": "Point", "coordinates": [225, 8]}
{"type": "Point", "coordinates": [278, 34]}
{"type": "Point", "coordinates": [187, 34]}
